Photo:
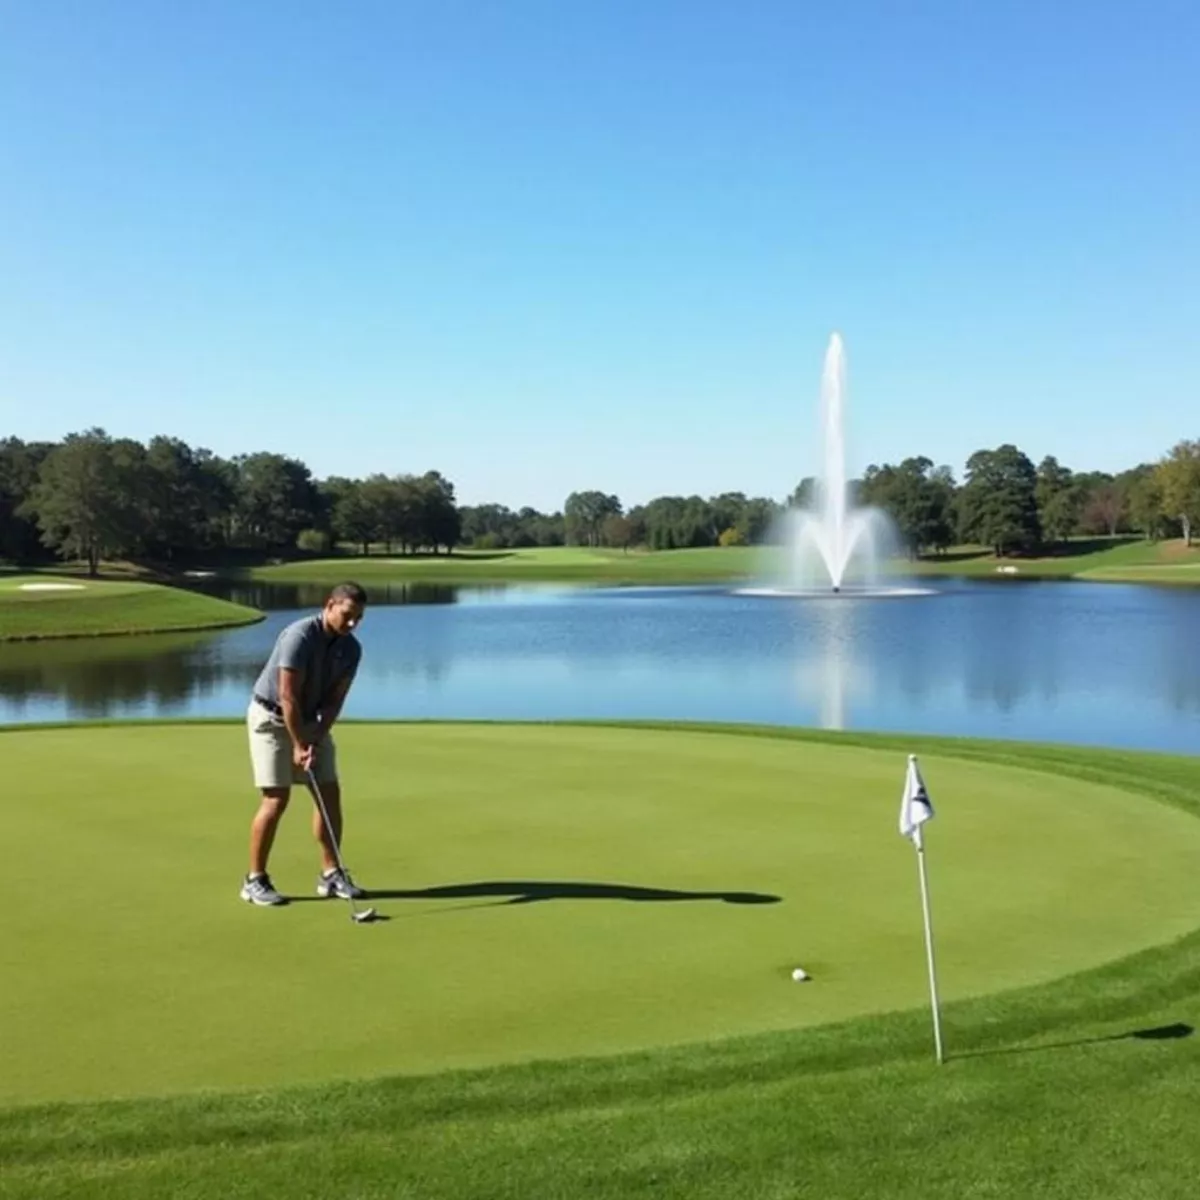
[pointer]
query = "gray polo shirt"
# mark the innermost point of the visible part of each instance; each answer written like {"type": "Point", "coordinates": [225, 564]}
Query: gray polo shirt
{"type": "Point", "coordinates": [322, 659]}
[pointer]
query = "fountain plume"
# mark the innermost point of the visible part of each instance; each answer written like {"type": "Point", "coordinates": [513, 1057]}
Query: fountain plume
{"type": "Point", "coordinates": [833, 544]}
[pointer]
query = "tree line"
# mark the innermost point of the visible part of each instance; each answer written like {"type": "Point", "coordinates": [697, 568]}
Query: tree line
{"type": "Point", "coordinates": [93, 497]}
{"type": "Point", "coordinates": [1007, 503]}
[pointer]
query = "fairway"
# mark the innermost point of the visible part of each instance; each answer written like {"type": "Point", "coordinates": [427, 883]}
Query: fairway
{"type": "Point", "coordinates": [36, 607]}
{"type": "Point", "coordinates": [1100, 559]}
{"type": "Point", "coordinates": [578, 564]}
{"type": "Point", "coordinates": [551, 891]}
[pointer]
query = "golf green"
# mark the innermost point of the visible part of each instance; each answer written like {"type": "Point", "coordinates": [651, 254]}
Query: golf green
{"type": "Point", "coordinates": [45, 606]}
{"type": "Point", "coordinates": [549, 891]}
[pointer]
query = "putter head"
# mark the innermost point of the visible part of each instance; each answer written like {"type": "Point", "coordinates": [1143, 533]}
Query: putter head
{"type": "Point", "coordinates": [365, 917]}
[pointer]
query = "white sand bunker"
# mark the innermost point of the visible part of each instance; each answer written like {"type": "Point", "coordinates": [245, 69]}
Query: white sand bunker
{"type": "Point", "coordinates": [51, 587]}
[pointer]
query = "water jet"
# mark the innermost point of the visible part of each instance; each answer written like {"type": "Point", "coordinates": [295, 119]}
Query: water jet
{"type": "Point", "coordinates": [831, 547]}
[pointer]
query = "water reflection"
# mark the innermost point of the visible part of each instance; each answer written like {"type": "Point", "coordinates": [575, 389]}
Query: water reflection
{"type": "Point", "coordinates": [826, 668]}
{"type": "Point", "coordinates": [1181, 670]}
{"type": "Point", "coordinates": [998, 629]}
{"type": "Point", "coordinates": [104, 677]}
{"type": "Point", "coordinates": [1064, 662]}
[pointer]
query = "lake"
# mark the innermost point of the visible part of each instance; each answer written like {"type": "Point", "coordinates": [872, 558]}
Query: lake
{"type": "Point", "coordinates": [1103, 664]}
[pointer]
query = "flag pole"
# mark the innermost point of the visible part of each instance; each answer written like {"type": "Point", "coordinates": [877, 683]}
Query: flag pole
{"type": "Point", "coordinates": [919, 842]}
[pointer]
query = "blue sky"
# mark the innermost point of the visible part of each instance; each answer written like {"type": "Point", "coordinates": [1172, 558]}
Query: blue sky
{"type": "Point", "coordinates": [544, 246]}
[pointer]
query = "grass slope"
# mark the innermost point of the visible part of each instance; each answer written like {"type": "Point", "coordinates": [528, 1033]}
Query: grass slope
{"type": "Point", "coordinates": [1037, 850]}
{"type": "Point", "coordinates": [1100, 559]}
{"type": "Point", "coordinates": [546, 564]}
{"type": "Point", "coordinates": [77, 607]}
{"type": "Point", "coordinates": [1097, 559]}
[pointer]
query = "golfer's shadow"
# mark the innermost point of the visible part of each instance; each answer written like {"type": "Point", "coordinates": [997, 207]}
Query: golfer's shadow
{"type": "Point", "coordinates": [532, 891]}
{"type": "Point", "coordinates": [1159, 1033]}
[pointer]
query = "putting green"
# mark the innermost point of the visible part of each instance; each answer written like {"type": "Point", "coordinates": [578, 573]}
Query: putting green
{"type": "Point", "coordinates": [560, 890]}
{"type": "Point", "coordinates": [44, 606]}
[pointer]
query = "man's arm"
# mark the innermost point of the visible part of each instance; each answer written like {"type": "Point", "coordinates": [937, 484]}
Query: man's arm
{"type": "Point", "coordinates": [290, 681]}
{"type": "Point", "coordinates": [332, 707]}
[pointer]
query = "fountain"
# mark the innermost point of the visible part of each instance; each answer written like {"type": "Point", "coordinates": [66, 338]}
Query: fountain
{"type": "Point", "coordinates": [832, 547]}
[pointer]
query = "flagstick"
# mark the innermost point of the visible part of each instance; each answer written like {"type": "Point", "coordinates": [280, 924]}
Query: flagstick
{"type": "Point", "coordinates": [933, 995]}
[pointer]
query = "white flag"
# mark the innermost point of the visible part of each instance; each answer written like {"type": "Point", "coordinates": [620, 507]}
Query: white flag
{"type": "Point", "coordinates": [915, 808]}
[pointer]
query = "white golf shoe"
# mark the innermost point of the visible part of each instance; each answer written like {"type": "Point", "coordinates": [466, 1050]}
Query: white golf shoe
{"type": "Point", "coordinates": [338, 883]}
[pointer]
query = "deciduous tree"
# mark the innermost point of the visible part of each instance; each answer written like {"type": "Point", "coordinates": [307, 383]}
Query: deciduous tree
{"type": "Point", "coordinates": [80, 501]}
{"type": "Point", "coordinates": [1179, 477]}
{"type": "Point", "coordinates": [585, 513]}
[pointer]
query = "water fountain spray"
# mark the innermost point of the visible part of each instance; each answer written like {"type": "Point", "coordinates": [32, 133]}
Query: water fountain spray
{"type": "Point", "coordinates": [833, 543]}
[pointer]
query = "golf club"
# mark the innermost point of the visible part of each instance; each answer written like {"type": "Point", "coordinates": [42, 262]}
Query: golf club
{"type": "Point", "coordinates": [367, 914]}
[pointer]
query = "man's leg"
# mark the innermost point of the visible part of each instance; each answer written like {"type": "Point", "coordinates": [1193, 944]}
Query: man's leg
{"type": "Point", "coordinates": [257, 887]}
{"type": "Point", "coordinates": [332, 882]}
{"type": "Point", "coordinates": [271, 762]}
{"type": "Point", "coordinates": [331, 793]}
{"type": "Point", "coordinates": [263, 827]}
{"type": "Point", "coordinates": [325, 772]}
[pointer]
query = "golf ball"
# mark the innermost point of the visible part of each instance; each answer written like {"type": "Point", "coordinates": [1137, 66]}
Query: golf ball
{"type": "Point", "coordinates": [799, 974]}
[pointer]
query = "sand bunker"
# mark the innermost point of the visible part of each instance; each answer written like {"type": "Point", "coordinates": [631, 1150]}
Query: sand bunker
{"type": "Point", "coordinates": [51, 587]}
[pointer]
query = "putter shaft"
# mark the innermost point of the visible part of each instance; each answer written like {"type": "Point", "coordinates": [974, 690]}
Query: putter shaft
{"type": "Point", "coordinates": [355, 915]}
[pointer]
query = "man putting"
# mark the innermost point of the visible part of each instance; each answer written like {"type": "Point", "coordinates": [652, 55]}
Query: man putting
{"type": "Point", "coordinates": [296, 701]}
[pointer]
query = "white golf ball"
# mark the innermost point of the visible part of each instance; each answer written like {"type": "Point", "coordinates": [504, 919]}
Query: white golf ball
{"type": "Point", "coordinates": [799, 974]}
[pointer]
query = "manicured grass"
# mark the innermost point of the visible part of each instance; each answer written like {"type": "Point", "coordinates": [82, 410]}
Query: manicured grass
{"type": "Point", "coordinates": [1097, 559]}
{"type": "Point", "coordinates": [56, 606]}
{"type": "Point", "coordinates": [566, 563]}
{"type": "Point", "coordinates": [1167, 572]}
{"type": "Point", "coordinates": [683, 820]}
{"type": "Point", "coordinates": [140, 972]}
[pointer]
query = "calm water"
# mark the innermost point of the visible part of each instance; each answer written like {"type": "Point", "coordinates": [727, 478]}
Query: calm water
{"type": "Point", "coordinates": [1087, 663]}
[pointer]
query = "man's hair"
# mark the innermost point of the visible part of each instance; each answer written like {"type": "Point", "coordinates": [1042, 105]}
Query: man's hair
{"type": "Point", "coordinates": [348, 591]}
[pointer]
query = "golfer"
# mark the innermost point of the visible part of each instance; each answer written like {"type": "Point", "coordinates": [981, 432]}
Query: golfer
{"type": "Point", "coordinates": [296, 701]}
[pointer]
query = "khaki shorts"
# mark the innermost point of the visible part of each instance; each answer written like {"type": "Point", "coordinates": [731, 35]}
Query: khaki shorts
{"type": "Point", "coordinates": [271, 752]}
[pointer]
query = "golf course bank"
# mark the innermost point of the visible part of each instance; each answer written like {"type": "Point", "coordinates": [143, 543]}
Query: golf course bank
{"type": "Point", "coordinates": [547, 564]}
{"type": "Point", "coordinates": [583, 982]}
{"type": "Point", "coordinates": [1096, 559]}
{"type": "Point", "coordinates": [57, 606]}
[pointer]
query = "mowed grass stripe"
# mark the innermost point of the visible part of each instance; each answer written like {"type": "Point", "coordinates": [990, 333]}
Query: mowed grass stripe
{"type": "Point", "coordinates": [995, 1129]}
{"type": "Point", "coordinates": [1098, 559]}
{"type": "Point", "coordinates": [58, 607]}
{"type": "Point", "coordinates": [577, 564]}
{"type": "Point", "coordinates": [564, 891]}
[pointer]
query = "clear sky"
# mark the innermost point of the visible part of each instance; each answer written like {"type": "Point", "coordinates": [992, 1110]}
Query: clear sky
{"type": "Point", "coordinates": [544, 245]}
